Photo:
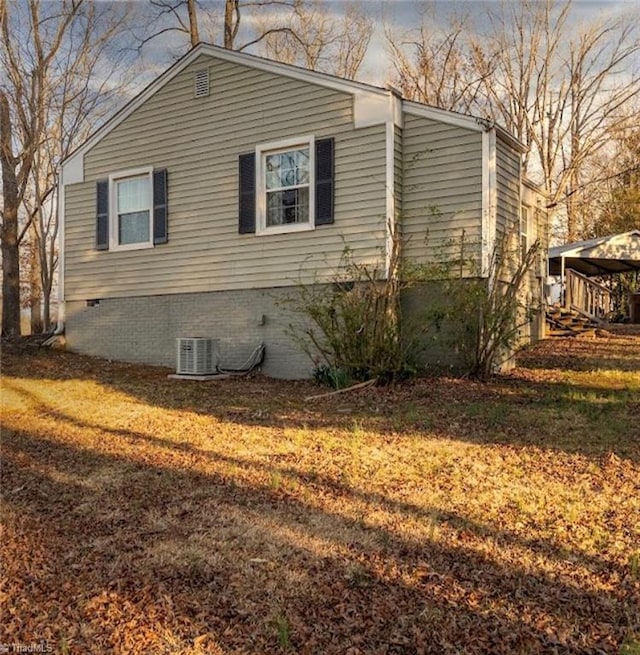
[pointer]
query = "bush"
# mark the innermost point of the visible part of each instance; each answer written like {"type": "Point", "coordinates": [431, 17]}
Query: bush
{"type": "Point", "coordinates": [484, 311]}
{"type": "Point", "coordinates": [355, 331]}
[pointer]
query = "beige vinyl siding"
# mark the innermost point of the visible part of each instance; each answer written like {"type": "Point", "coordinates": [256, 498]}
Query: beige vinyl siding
{"type": "Point", "coordinates": [538, 227]}
{"type": "Point", "coordinates": [508, 188]}
{"type": "Point", "coordinates": [442, 188]}
{"type": "Point", "coordinates": [199, 141]}
{"type": "Point", "coordinates": [539, 219]}
{"type": "Point", "coordinates": [508, 200]}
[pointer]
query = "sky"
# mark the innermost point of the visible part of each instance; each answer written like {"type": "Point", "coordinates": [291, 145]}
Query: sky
{"type": "Point", "coordinates": [404, 15]}
{"type": "Point", "coordinates": [401, 15]}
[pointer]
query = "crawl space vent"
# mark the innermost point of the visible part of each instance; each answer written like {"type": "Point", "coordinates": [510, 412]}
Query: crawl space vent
{"type": "Point", "coordinates": [201, 83]}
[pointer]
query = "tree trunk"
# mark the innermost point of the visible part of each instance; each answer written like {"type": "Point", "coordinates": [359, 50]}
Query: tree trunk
{"type": "Point", "coordinates": [10, 278]}
{"type": "Point", "coordinates": [46, 311]}
{"type": "Point", "coordinates": [47, 268]}
{"type": "Point", "coordinates": [193, 23]}
{"type": "Point", "coordinates": [230, 10]}
{"type": "Point", "coordinates": [46, 273]}
{"type": "Point", "coordinates": [35, 289]}
{"type": "Point", "coordinates": [9, 232]}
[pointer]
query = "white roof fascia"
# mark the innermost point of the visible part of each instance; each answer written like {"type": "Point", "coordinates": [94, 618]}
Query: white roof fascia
{"type": "Point", "coordinates": [578, 247]}
{"type": "Point", "coordinates": [511, 140]}
{"type": "Point", "coordinates": [444, 116]}
{"type": "Point", "coordinates": [462, 120]}
{"type": "Point", "coordinates": [288, 70]}
{"type": "Point", "coordinates": [372, 104]}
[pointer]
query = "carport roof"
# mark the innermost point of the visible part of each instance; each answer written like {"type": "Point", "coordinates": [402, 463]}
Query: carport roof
{"type": "Point", "coordinates": [618, 253]}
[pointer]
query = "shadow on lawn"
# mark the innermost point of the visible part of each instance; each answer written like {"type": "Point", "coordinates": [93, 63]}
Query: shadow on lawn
{"type": "Point", "coordinates": [322, 484]}
{"type": "Point", "coordinates": [592, 420]}
{"type": "Point", "coordinates": [243, 559]}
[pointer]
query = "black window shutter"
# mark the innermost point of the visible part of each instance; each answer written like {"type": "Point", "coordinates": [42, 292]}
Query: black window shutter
{"type": "Point", "coordinates": [247, 195]}
{"type": "Point", "coordinates": [324, 181]}
{"type": "Point", "coordinates": [102, 215]}
{"type": "Point", "coordinates": [160, 206]}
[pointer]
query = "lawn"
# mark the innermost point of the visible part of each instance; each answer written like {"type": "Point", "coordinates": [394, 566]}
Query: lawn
{"type": "Point", "coordinates": [142, 514]}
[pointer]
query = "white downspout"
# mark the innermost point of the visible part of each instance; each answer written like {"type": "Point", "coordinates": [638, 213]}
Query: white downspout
{"type": "Point", "coordinates": [71, 172]}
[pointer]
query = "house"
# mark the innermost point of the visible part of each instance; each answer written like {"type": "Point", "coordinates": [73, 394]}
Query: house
{"type": "Point", "coordinates": [198, 208]}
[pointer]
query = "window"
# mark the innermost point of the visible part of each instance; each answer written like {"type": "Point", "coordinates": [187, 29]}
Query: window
{"type": "Point", "coordinates": [132, 210]}
{"type": "Point", "coordinates": [131, 214]}
{"type": "Point", "coordinates": [285, 182]}
{"type": "Point", "coordinates": [286, 186]}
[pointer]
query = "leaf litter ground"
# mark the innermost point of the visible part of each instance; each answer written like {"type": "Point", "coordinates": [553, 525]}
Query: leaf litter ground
{"type": "Point", "coordinates": [142, 514]}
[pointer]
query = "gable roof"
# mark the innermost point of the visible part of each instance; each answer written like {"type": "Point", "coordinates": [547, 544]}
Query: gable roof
{"type": "Point", "coordinates": [372, 104]}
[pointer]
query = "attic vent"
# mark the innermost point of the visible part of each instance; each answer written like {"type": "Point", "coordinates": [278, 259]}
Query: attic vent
{"type": "Point", "coordinates": [201, 83]}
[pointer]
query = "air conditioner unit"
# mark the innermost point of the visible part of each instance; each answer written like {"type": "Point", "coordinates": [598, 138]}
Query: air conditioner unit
{"type": "Point", "coordinates": [197, 356]}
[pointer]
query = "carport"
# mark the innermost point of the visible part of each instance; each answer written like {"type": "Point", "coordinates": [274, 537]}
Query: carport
{"type": "Point", "coordinates": [579, 262]}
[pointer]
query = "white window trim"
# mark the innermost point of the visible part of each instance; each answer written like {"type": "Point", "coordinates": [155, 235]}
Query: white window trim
{"type": "Point", "coordinates": [262, 151]}
{"type": "Point", "coordinates": [113, 208]}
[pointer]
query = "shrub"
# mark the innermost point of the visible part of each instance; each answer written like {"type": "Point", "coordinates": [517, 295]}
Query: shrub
{"type": "Point", "coordinates": [484, 311]}
{"type": "Point", "coordinates": [355, 330]}
{"type": "Point", "coordinates": [355, 333]}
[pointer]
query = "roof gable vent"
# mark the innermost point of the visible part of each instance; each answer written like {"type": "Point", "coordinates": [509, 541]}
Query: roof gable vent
{"type": "Point", "coordinates": [201, 83]}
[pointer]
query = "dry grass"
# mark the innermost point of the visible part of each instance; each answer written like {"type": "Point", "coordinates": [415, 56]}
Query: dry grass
{"type": "Point", "coordinates": [443, 516]}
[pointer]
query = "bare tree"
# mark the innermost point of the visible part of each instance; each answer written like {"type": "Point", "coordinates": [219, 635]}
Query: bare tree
{"type": "Point", "coordinates": [559, 94]}
{"type": "Point", "coordinates": [309, 34]}
{"type": "Point", "coordinates": [438, 65]}
{"type": "Point", "coordinates": [169, 16]}
{"type": "Point", "coordinates": [560, 86]}
{"type": "Point", "coordinates": [13, 173]}
{"type": "Point", "coordinates": [321, 40]}
{"type": "Point", "coordinates": [519, 59]}
{"type": "Point", "coordinates": [66, 52]}
{"type": "Point", "coordinates": [231, 22]}
{"type": "Point", "coordinates": [218, 25]}
{"type": "Point", "coordinates": [354, 42]}
{"type": "Point", "coordinates": [610, 202]}
{"type": "Point", "coordinates": [22, 127]}
{"type": "Point", "coordinates": [35, 288]}
{"type": "Point", "coordinates": [600, 87]}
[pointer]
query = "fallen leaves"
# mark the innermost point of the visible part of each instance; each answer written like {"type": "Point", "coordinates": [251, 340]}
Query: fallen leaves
{"type": "Point", "coordinates": [439, 516]}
